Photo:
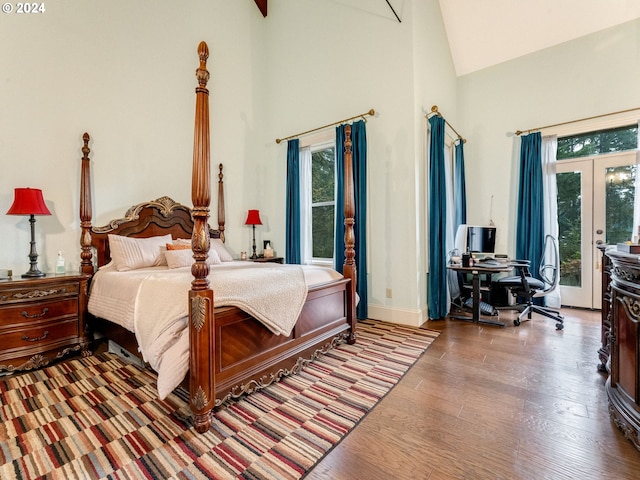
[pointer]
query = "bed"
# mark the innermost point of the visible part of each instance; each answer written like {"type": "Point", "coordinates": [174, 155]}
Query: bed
{"type": "Point", "coordinates": [231, 353]}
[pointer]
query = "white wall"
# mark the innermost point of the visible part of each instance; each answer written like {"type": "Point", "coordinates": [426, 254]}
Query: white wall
{"type": "Point", "coordinates": [124, 72]}
{"type": "Point", "coordinates": [593, 75]}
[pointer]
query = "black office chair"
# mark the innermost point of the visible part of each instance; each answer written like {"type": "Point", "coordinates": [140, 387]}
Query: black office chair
{"type": "Point", "coordinates": [527, 287]}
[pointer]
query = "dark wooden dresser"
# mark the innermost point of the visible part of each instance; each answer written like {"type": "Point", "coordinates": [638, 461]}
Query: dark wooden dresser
{"type": "Point", "coordinates": [623, 384]}
{"type": "Point", "coordinates": [604, 350]}
{"type": "Point", "coordinates": [41, 320]}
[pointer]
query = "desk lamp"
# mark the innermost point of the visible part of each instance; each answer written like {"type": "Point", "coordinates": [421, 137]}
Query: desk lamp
{"type": "Point", "coordinates": [253, 219]}
{"type": "Point", "coordinates": [29, 201]}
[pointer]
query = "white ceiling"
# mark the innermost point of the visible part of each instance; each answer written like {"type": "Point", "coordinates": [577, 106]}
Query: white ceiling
{"type": "Point", "coordinates": [483, 33]}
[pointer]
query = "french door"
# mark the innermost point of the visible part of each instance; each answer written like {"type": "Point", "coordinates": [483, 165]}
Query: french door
{"type": "Point", "coordinates": [596, 198]}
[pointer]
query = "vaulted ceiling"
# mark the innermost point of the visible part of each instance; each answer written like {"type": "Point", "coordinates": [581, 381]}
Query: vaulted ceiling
{"type": "Point", "coordinates": [483, 33]}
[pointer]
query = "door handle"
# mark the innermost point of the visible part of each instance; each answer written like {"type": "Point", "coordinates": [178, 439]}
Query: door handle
{"type": "Point", "coordinates": [599, 242]}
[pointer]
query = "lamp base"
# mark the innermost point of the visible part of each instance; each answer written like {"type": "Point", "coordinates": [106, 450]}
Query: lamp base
{"type": "Point", "coordinates": [33, 274]}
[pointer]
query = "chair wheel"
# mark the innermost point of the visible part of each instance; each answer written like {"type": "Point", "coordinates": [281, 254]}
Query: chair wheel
{"type": "Point", "coordinates": [559, 326]}
{"type": "Point", "coordinates": [516, 322]}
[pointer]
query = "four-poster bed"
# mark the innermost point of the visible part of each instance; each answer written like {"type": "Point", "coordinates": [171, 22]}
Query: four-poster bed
{"type": "Point", "coordinates": [230, 352]}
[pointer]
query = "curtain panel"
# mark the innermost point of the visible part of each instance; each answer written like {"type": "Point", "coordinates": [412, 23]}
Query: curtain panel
{"type": "Point", "coordinates": [530, 215]}
{"type": "Point", "coordinates": [306, 241]}
{"type": "Point", "coordinates": [293, 254]}
{"type": "Point", "coordinates": [460, 187]}
{"type": "Point", "coordinates": [550, 189]}
{"type": "Point", "coordinates": [437, 281]}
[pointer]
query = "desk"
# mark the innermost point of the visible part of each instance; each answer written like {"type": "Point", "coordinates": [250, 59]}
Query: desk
{"type": "Point", "coordinates": [476, 271]}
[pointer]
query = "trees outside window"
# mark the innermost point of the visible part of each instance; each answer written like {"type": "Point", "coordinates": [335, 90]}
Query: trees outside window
{"type": "Point", "coordinates": [323, 201]}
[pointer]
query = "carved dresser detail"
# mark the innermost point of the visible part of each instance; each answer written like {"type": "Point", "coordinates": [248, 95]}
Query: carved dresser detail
{"type": "Point", "coordinates": [623, 384]}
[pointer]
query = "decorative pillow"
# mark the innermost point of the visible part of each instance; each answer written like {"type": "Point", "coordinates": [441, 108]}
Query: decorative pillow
{"type": "Point", "coordinates": [182, 241]}
{"type": "Point", "coordinates": [184, 258]}
{"type": "Point", "coordinates": [129, 253]}
{"type": "Point", "coordinates": [223, 253]}
{"type": "Point", "coordinates": [179, 246]}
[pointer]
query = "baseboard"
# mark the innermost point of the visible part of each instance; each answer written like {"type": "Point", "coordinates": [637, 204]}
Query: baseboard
{"type": "Point", "coordinates": [399, 316]}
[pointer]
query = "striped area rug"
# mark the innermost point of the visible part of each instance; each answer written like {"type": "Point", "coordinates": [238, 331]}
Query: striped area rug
{"type": "Point", "coordinates": [99, 417]}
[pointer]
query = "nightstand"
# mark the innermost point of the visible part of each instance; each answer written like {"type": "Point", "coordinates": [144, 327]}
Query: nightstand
{"type": "Point", "coordinates": [41, 320]}
{"type": "Point", "coordinates": [267, 259]}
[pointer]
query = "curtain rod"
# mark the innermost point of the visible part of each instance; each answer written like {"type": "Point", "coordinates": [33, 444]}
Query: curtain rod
{"type": "Point", "coordinates": [434, 111]}
{"type": "Point", "coordinates": [520, 132]}
{"type": "Point", "coordinates": [370, 112]}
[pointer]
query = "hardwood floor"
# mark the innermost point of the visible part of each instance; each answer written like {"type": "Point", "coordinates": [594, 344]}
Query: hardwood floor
{"type": "Point", "coordinates": [486, 402]}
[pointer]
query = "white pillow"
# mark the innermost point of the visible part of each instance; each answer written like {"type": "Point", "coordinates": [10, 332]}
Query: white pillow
{"type": "Point", "coordinates": [184, 258]}
{"type": "Point", "coordinates": [129, 253]}
{"type": "Point", "coordinates": [223, 253]}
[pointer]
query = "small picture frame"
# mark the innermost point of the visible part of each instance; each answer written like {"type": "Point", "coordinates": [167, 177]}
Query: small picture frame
{"type": "Point", "coordinates": [265, 243]}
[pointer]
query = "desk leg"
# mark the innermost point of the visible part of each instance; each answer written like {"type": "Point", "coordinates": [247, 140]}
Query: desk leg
{"type": "Point", "coordinates": [476, 296]}
{"type": "Point", "coordinates": [477, 317]}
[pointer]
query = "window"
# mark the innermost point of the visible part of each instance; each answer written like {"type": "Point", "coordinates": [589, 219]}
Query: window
{"type": "Point", "coordinates": [323, 201]}
{"type": "Point", "coordinates": [598, 142]}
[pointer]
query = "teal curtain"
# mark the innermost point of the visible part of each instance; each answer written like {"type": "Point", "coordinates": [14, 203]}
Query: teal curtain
{"type": "Point", "coordinates": [437, 282]}
{"type": "Point", "coordinates": [359, 156]}
{"type": "Point", "coordinates": [460, 188]}
{"type": "Point", "coordinates": [530, 220]}
{"type": "Point", "coordinates": [293, 250]}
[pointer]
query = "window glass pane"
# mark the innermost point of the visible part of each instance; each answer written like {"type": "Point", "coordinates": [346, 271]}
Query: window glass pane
{"type": "Point", "coordinates": [619, 198]}
{"type": "Point", "coordinates": [322, 175]}
{"type": "Point", "coordinates": [322, 231]}
{"type": "Point", "coordinates": [570, 227]}
{"type": "Point", "coordinates": [598, 143]}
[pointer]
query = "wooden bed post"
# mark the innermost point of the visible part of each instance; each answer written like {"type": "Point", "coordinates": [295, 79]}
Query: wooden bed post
{"type": "Point", "coordinates": [349, 267]}
{"type": "Point", "coordinates": [201, 327]}
{"type": "Point", "coordinates": [86, 255]}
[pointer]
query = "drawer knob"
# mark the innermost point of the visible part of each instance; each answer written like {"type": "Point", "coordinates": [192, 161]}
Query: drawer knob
{"type": "Point", "coordinates": [37, 339]}
{"type": "Point", "coordinates": [35, 315]}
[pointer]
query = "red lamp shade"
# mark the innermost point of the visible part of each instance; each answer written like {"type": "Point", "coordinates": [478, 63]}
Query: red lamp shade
{"type": "Point", "coordinates": [28, 201]}
{"type": "Point", "coordinates": [253, 218]}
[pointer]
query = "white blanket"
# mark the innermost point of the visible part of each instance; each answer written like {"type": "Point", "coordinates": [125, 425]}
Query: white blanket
{"type": "Point", "coordinates": [153, 303]}
{"type": "Point", "coordinates": [274, 295]}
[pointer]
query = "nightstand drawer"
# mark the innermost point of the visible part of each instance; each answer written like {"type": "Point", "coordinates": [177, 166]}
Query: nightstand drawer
{"type": "Point", "coordinates": [34, 336]}
{"type": "Point", "coordinates": [33, 313]}
{"type": "Point", "coordinates": [23, 294]}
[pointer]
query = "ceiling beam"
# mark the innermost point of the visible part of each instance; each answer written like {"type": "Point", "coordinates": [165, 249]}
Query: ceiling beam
{"type": "Point", "coordinates": [262, 5]}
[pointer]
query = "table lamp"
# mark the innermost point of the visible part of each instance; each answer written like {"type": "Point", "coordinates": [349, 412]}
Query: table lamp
{"type": "Point", "coordinates": [253, 219]}
{"type": "Point", "coordinates": [29, 201]}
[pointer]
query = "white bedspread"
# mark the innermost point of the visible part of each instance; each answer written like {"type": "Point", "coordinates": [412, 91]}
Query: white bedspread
{"type": "Point", "coordinates": [153, 303]}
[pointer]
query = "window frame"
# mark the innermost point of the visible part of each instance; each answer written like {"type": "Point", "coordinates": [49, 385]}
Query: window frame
{"type": "Point", "coordinates": [318, 147]}
{"type": "Point", "coordinates": [315, 143]}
